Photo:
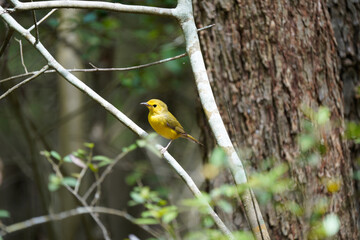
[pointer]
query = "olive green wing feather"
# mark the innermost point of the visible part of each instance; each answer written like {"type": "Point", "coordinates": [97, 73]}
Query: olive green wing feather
{"type": "Point", "coordinates": [174, 124]}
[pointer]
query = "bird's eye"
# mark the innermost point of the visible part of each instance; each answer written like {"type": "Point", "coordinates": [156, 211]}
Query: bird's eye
{"type": "Point", "coordinates": [154, 105]}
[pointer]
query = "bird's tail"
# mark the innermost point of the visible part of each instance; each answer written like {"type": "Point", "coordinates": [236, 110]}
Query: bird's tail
{"type": "Point", "coordinates": [188, 136]}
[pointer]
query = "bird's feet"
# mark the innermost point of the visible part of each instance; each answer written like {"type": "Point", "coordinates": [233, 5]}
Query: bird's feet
{"type": "Point", "coordinates": [163, 150]}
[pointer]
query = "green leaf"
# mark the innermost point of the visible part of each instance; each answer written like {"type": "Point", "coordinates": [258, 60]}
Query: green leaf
{"type": "Point", "coordinates": [94, 168]}
{"type": "Point", "coordinates": [218, 157]}
{"type": "Point", "coordinates": [80, 153]}
{"type": "Point", "coordinates": [208, 222]}
{"type": "Point", "coordinates": [353, 130]}
{"type": "Point", "coordinates": [294, 208]}
{"type": "Point", "coordinates": [244, 235]}
{"type": "Point", "coordinates": [141, 143]}
{"type": "Point", "coordinates": [4, 214]}
{"type": "Point", "coordinates": [89, 145]}
{"type": "Point", "coordinates": [306, 142]}
{"type": "Point", "coordinates": [137, 197]}
{"type": "Point", "coordinates": [145, 221]}
{"type": "Point", "coordinates": [54, 182]}
{"type": "Point", "coordinates": [67, 158]}
{"type": "Point", "coordinates": [45, 153]}
{"type": "Point", "coordinates": [134, 177]}
{"type": "Point", "coordinates": [149, 214]}
{"type": "Point", "coordinates": [168, 217]}
{"type": "Point", "coordinates": [323, 115]}
{"type": "Point", "coordinates": [55, 155]}
{"type": "Point", "coordinates": [70, 181]}
{"type": "Point", "coordinates": [225, 205]}
{"type": "Point", "coordinates": [226, 190]}
{"type": "Point", "coordinates": [130, 148]}
{"type": "Point", "coordinates": [103, 160]}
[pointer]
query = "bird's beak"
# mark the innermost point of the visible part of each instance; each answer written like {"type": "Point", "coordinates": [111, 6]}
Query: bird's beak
{"type": "Point", "coordinates": [146, 104]}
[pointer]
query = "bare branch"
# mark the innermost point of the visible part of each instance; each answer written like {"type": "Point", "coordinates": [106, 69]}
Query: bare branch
{"type": "Point", "coordinates": [98, 191]}
{"type": "Point", "coordinates": [206, 27]}
{"type": "Point", "coordinates": [71, 213]}
{"type": "Point", "coordinates": [38, 73]}
{"type": "Point", "coordinates": [41, 20]}
{"type": "Point", "coordinates": [36, 26]}
{"type": "Point", "coordinates": [81, 176]}
{"type": "Point", "coordinates": [6, 41]}
{"type": "Point", "coordinates": [117, 7]}
{"type": "Point", "coordinates": [96, 69]}
{"type": "Point", "coordinates": [21, 55]}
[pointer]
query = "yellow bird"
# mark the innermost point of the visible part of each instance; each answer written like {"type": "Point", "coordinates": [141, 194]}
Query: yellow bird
{"type": "Point", "coordinates": [164, 123]}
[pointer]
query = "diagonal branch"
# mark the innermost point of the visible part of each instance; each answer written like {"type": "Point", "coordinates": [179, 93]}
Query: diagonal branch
{"type": "Point", "coordinates": [97, 69]}
{"type": "Point", "coordinates": [9, 34]}
{"type": "Point", "coordinates": [117, 7]}
{"type": "Point", "coordinates": [21, 55]}
{"type": "Point", "coordinates": [71, 213]}
{"type": "Point", "coordinates": [35, 75]}
{"type": "Point", "coordinates": [41, 20]}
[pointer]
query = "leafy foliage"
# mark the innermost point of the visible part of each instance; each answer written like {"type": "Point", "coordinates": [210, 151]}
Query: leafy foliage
{"type": "Point", "coordinates": [157, 210]}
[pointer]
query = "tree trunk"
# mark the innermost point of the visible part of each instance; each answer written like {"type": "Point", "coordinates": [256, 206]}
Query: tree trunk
{"type": "Point", "coordinates": [71, 130]}
{"type": "Point", "coordinates": [267, 61]}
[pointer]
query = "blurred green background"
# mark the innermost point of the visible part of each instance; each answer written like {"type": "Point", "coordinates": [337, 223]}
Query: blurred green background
{"type": "Point", "coordinates": [32, 117]}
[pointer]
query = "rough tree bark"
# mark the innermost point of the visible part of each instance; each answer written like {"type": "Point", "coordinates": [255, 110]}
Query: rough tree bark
{"type": "Point", "coordinates": [265, 61]}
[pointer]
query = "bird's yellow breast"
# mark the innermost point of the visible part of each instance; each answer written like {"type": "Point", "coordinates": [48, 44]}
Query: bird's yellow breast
{"type": "Point", "coordinates": [158, 123]}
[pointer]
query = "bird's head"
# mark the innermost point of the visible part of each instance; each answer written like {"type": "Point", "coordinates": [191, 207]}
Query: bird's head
{"type": "Point", "coordinates": [155, 106]}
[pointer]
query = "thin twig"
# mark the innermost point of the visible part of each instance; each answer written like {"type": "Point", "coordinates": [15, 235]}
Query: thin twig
{"type": "Point", "coordinates": [81, 175]}
{"type": "Point", "coordinates": [41, 20]}
{"type": "Point", "coordinates": [21, 55]}
{"type": "Point", "coordinates": [83, 172]}
{"type": "Point", "coordinates": [9, 34]}
{"type": "Point", "coordinates": [36, 74]}
{"type": "Point", "coordinates": [71, 213]}
{"type": "Point", "coordinates": [96, 69]}
{"type": "Point", "coordinates": [98, 191]}
{"type": "Point", "coordinates": [206, 27]}
{"type": "Point", "coordinates": [36, 26]}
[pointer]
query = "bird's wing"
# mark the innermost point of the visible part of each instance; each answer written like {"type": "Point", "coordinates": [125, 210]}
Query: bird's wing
{"type": "Point", "coordinates": [174, 124]}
